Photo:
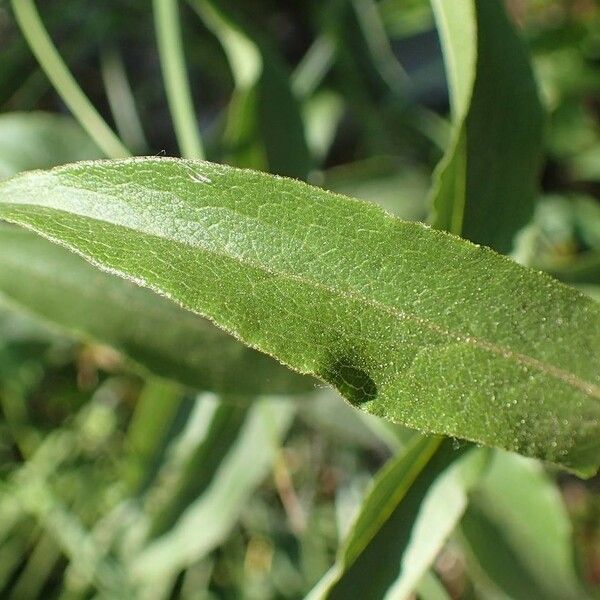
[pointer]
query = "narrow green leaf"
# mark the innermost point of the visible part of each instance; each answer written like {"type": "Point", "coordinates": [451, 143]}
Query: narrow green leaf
{"type": "Point", "coordinates": [410, 323]}
{"type": "Point", "coordinates": [13, 553]}
{"type": "Point", "coordinates": [66, 85]}
{"type": "Point", "coordinates": [485, 184]}
{"type": "Point", "coordinates": [40, 565]}
{"type": "Point", "coordinates": [215, 511]}
{"type": "Point", "coordinates": [201, 467]}
{"type": "Point", "coordinates": [121, 99]}
{"type": "Point", "coordinates": [148, 432]}
{"type": "Point", "coordinates": [177, 85]}
{"type": "Point", "coordinates": [456, 24]}
{"type": "Point", "coordinates": [413, 507]}
{"type": "Point", "coordinates": [431, 588]}
{"type": "Point", "coordinates": [61, 287]}
{"type": "Point", "coordinates": [519, 507]}
{"type": "Point", "coordinates": [264, 106]}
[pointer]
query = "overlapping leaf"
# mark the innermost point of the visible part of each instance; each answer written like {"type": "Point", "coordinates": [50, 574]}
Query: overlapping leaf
{"type": "Point", "coordinates": [518, 507]}
{"type": "Point", "coordinates": [486, 183]}
{"type": "Point", "coordinates": [63, 288]}
{"type": "Point", "coordinates": [411, 510]}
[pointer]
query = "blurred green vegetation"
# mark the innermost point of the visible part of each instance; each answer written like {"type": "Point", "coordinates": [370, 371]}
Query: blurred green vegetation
{"type": "Point", "coordinates": [116, 483]}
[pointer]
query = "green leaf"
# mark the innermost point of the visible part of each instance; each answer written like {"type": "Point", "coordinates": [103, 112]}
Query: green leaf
{"type": "Point", "coordinates": [410, 323]}
{"type": "Point", "coordinates": [40, 564]}
{"type": "Point", "coordinates": [40, 140]}
{"type": "Point", "coordinates": [60, 287]}
{"type": "Point", "coordinates": [263, 106]}
{"type": "Point", "coordinates": [485, 184]}
{"type": "Point", "coordinates": [412, 508]}
{"type": "Point", "coordinates": [519, 507]}
{"type": "Point", "coordinates": [201, 467]}
{"type": "Point", "coordinates": [214, 512]}
{"type": "Point", "coordinates": [148, 433]}
{"type": "Point", "coordinates": [431, 588]}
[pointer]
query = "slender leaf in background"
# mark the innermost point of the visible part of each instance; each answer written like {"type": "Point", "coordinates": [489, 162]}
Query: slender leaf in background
{"type": "Point", "coordinates": [148, 433]}
{"type": "Point", "coordinates": [412, 508]}
{"type": "Point", "coordinates": [14, 551]}
{"type": "Point", "coordinates": [518, 506]}
{"type": "Point", "coordinates": [201, 467]}
{"type": "Point", "coordinates": [65, 84]}
{"type": "Point", "coordinates": [245, 59]}
{"type": "Point", "coordinates": [410, 323]}
{"type": "Point", "coordinates": [486, 183]}
{"type": "Point", "coordinates": [40, 565]}
{"type": "Point", "coordinates": [121, 99]}
{"type": "Point", "coordinates": [40, 140]}
{"type": "Point", "coordinates": [264, 106]}
{"type": "Point", "coordinates": [247, 462]}
{"type": "Point", "coordinates": [373, 30]}
{"type": "Point", "coordinates": [177, 85]}
{"type": "Point", "coordinates": [62, 288]}
{"type": "Point", "coordinates": [431, 588]}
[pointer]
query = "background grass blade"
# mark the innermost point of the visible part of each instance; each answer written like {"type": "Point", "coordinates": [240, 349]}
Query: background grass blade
{"type": "Point", "coordinates": [67, 87]}
{"type": "Point", "coordinates": [264, 126]}
{"type": "Point", "coordinates": [148, 431]}
{"type": "Point", "coordinates": [179, 95]}
{"type": "Point", "coordinates": [486, 182]}
{"type": "Point", "coordinates": [216, 510]}
{"type": "Point", "coordinates": [121, 100]}
{"type": "Point", "coordinates": [449, 337]}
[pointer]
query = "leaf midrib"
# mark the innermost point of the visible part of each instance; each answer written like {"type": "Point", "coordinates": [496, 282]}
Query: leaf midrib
{"type": "Point", "coordinates": [582, 385]}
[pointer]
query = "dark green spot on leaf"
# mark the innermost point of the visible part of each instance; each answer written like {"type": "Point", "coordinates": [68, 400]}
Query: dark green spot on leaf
{"type": "Point", "coordinates": [354, 383]}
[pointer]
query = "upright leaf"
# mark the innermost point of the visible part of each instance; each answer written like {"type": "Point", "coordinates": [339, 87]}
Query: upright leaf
{"type": "Point", "coordinates": [414, 505]}
{"type": "Point", "coordinates": [263, 106]}
{"type": "Point", "coordinates": [148, 433]}
{"type": "Point", "coordinates": [486, 183]}
{"type": "Point", "coordinates": [410, 323]}
{"type": "Point", "coordinates": [214, 512]}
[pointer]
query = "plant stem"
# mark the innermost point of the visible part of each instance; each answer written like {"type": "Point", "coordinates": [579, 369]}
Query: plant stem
{"type": "Point", "coordinates": [121, 99]}
{"type": "Point", "coordinates": [177, 86]}
{"type": "Point", "coordinates": [58, 73]}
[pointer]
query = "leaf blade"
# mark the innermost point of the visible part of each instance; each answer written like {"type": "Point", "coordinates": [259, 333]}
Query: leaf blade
{"type": "Point", "coordinates": [518, 505]}
{"type": "Point", "coordinates": [486, 183]}
{"type": "Point", "coordinates": [413, 506]}
{"type": "Point", "coordinates": [412, 324]}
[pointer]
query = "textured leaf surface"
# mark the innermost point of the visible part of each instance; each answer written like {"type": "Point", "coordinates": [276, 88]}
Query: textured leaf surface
{"type": "Point", "coordinates": [486, 182]}
{"type": "Point", "coordinates": [63, 288]}
{"type": "Point", "coordinates": [410, 323]}
{"type": "Point", "coordinates": [412, 508]}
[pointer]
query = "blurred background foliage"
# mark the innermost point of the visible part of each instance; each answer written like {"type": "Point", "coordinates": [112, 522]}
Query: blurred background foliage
{"type": "Point", "coordinates": [117, 483]}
